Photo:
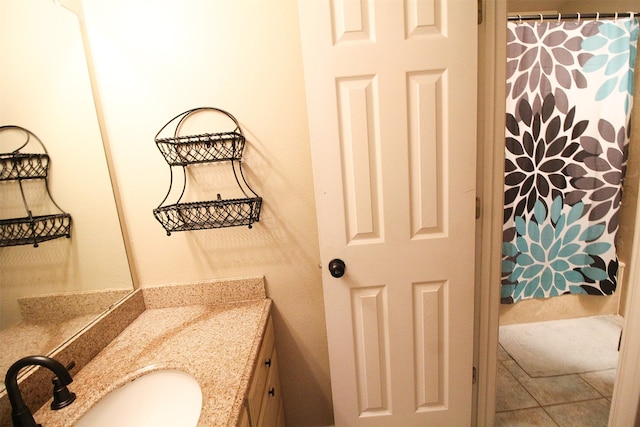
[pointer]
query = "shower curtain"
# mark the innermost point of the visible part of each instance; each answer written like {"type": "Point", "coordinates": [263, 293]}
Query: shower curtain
{"type": "Point", "coordinates": [569, 96]}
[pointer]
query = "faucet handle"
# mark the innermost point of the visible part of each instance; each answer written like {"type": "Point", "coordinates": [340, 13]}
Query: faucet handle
{"type": "Point", "coordinates": [62, 397]}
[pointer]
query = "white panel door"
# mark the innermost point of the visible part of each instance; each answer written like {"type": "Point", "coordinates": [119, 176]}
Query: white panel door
{"type": "Point", "coordinates": [391, 88]}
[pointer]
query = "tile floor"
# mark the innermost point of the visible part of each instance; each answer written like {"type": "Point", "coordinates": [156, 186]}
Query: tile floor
{"type": "Point", "coordinates": [580, 400]}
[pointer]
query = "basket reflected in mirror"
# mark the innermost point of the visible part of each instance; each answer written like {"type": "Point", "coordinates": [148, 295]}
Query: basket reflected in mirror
{"type": "Point", "coordinates": [34, 229]}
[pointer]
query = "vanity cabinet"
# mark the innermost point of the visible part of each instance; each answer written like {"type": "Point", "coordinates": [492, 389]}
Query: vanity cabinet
{"type": "Point", "coordinates": [263, 403]}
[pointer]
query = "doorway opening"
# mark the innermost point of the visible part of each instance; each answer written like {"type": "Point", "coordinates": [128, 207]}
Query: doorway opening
{"type": "Point", "coordinates": [528, 392]}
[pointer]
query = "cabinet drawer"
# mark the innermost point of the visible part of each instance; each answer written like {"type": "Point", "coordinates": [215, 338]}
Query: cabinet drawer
{"type": "Point", "coordinates": [272, 396]}
{"type": "Point", "coordinates": [260, 374]}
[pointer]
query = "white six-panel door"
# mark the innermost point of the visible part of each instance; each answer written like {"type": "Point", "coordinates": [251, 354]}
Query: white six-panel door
{"type": "Point", "coordinates": [391, 88]}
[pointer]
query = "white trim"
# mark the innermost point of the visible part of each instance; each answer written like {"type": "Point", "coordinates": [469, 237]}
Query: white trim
{"type": "Point", "coordinates": [626, 392]}
{"type": "Point", "coordinates": [492, 47]}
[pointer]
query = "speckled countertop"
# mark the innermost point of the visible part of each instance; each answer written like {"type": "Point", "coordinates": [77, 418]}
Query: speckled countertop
{"type": "Point", "coordinates": [48, 320]}
{"type": "Point", "coordinates": [216, 341]}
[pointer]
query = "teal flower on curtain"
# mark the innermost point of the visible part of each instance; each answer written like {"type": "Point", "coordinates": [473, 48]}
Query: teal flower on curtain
{"type": "Point", "coordinates": [614, 49]}
{"type": "Point", "coordinates": [553, 253]}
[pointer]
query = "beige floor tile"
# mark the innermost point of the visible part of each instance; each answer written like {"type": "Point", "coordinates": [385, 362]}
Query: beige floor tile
{"type": "Point", "coordinates": [602, 381]}
{"type": "Point", "coordinates": [510, 394]}
{"type": "Point", "coordinates": [590, 413]}
{"type": "Point", "coordinates": [524, 418]}
{"type": "Point", "coordinates": [553, 390]}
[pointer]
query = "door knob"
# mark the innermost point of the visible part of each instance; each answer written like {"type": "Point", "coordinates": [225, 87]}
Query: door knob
{"type": "Point", "coordinates": [337, 267]}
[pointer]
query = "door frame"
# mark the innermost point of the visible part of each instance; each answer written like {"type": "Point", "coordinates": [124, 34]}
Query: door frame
{"type": "Point", "coordinates": [491, 122]}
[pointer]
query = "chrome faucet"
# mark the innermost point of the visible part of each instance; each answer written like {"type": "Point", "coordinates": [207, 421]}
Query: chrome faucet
{"type": "Point", "coordinates": [20, 413]}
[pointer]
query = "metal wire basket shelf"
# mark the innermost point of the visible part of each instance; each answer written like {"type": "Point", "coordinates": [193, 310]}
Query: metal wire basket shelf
{"type": "Point", "coordinates": [182, 151]}
{"type": "Point", "coordinates": [204, 148]}
{"type": "Point", "coordinates": [18, 166]}
{"type": "Point", "coordinates": [209, 214]}
{"type": "Point", "coordinates": [23, 166]}
{"type": "Point", "coordinates": [34, 230]}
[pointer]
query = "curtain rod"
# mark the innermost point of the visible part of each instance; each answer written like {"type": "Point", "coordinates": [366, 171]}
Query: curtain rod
{"type": "Point", "coordinates": [577, 16]}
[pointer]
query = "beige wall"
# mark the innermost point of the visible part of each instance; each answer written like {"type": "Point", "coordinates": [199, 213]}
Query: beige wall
{"type": "Point", "coordinates": [44, 87]}
{"type": "Point", "coordinates": [152, 63]}
{"type": "Point", "coordinates": [571, 306]}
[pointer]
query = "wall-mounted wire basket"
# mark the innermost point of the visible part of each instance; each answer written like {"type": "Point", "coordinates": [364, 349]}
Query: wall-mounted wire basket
{"type": "Point", "coordinates": [34, 229]}
{"type": "Point", "coordinates": [17, 166]}
{"type": "Point", "coordinates": [209, 214]}
{"type": "Point", "coordinates": [205, 148]}
{"type": "Point", "coordinates": [182, 151]}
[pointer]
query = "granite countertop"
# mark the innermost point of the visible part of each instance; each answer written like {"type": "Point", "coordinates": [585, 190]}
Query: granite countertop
{"type": "Point", "coordinates": [36, 338]}
{"type": "Point", "coordinates": [48, 320]}
{"type": "Point", "coordinates": [215, 343]}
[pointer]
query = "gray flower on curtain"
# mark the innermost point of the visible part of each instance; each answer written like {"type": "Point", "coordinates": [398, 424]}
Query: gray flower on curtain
{"type": "Point", "coordinates": [543, 154]}
{"type": "Point", "coordinates": [598, 178]}
{"type": "Point", "coordinates": [541, 57]}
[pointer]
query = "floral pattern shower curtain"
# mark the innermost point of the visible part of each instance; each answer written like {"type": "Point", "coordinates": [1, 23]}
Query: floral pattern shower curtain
{"type": "Point", "coordinates": [569, 96]}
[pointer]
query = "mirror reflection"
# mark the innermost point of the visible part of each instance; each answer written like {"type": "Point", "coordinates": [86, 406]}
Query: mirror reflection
{"type": "Point", "coordinates": [50, 292]}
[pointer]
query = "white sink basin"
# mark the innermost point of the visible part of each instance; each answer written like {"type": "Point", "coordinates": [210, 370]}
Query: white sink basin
{"type": "Point", "coordinates": [168, 398]}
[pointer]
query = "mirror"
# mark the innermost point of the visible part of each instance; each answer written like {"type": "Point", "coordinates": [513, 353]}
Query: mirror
{"type": "Point", "coordinates": [50, 292]}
